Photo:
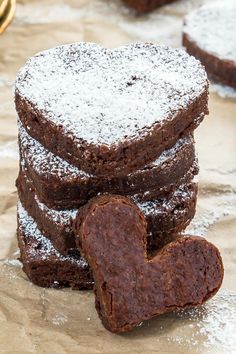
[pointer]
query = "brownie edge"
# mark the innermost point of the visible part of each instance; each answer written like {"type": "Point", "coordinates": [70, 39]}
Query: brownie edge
{"type": "Point", "coordinates": [45, 266]}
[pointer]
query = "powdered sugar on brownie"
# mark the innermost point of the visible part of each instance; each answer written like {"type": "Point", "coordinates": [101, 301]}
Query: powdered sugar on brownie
{"type": "Point", "coordinates": [67, 216]}
{"type": "Point", "coordinates": [213, 28]}
{"type": "Point", "coordinates": [166, 205]}
{"type": "Point", "coordinates": [103, 96]}
{"type": "Point", "coordinates": [29, 228]}
{"type": "Point", "coordinates": [45, 162]}
{"type": "Point", "coordinates": [64, 217]}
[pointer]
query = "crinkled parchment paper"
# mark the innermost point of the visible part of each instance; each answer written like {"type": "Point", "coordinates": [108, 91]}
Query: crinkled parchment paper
{"type": "Point", "coordinates": [35, 320]}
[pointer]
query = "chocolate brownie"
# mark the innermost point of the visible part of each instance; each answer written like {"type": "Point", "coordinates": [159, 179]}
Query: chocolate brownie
{"type": "Point", "coordinates": [143, 6]}
{"type": "Point", "coordinates": [209, 35]}
{"type": "Point", "coordinates": [166, 216]}
{"type": "Point", "coordinates": [61, 185]}
{"type": "Point", "coordinates": [129, 287]}
{"type": "Point", "coordinates": [43, 265]}
{"type": "Point", "coordinates": [111, 112]}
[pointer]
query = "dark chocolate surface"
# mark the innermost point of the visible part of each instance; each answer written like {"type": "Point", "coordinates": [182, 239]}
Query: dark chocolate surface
{"type": "Point", "coordinates": [129, 287]}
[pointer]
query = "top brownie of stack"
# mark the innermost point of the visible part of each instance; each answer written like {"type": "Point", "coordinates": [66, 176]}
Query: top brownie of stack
{"type": "Point", "coordinates": [111, 112]}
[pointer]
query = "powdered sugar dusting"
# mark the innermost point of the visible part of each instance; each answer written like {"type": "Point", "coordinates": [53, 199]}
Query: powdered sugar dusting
{"type": "Point", "coordinates": [45, 162]}
{"type": "Point", "coordinates": [169, 153]}
{"type": "Point", "coordinates": [46, 249]}
{"type": "Point", "coordinates": [64, 217]}
{"type": "Point", "coordinates": [158, 207]}
{"type": "Point", "coordinates": [104, 96]}
{"type": "Point", "coordinates": [213, 28]}
{"type": "Point", "coordinates": [59, 319]}
{"type": "Point", "coordinates": [213, 325]}
{"type": "Point", "coordinates": [166, 205]}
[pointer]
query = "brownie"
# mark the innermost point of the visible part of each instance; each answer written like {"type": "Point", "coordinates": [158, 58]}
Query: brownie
{"type": "Point", "coordinates": [43, 265]}
{"type": "Point", "coordinates": [165, 217]}
{"type": "Point", "coordinates": [144, 6]}
{"type": "Point", "coordinates": [111, 112]}
{"type": "Point", "coordinates": [61, 185]}
{"type": "Point", "coordinates": [129, 286]}
{"type": "Point", "coordinates": [209, 35]}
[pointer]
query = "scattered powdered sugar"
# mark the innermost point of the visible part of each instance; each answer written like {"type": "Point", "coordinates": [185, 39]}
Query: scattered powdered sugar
{"type": "Point", "coordinates": [103, 96]}
{"type": "Point", "coordinates": [213, 28]}
{"type": "Point", "coordinates": [200, 225]}
{"type": "Point", "coordinates": [45, 162]}
{"type": "Point", "coordinates": [9, 150]}
{"type": "Point", "coordinates": [5, 82]}
{"type": "Point", "coordinates": [223, 91]}
{"type": "Point", "coordinates": [12, 262]}
{"type": "Point", "coordinates": [218, 207]}
{"type": "Point", "coordinates": [59, 319]}
{"type": "Point", "coordinates": [212, 325]}
{"type": "Point", "coordinates": [41, 246]}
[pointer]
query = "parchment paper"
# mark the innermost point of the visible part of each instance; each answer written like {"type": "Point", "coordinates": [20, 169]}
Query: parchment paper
{"type": "Point", "coordinates": [36, 320]}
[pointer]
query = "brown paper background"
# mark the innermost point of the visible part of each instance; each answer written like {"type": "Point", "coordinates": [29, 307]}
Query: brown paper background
{"type": "Point", "coordinates": [35, 320]}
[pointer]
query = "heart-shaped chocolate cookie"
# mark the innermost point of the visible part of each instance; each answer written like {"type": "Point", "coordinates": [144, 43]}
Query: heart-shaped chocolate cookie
{"type": "Point", "coordinates": [110, 111]}
{"type": "Point", "coordinates": [209, 35]}
{"type": "Point", "coordinates": [130, 287]}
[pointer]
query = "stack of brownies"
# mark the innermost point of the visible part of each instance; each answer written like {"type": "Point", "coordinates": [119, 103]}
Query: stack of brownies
{"type": "Point", "coordinates": [94, 121]}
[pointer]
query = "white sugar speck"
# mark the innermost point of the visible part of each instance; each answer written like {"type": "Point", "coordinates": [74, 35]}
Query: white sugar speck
{"type": "Point", "coordinates": [59, 319]}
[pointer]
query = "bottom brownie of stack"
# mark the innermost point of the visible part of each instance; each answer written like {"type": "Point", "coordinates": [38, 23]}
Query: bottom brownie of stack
{"type": "Point", "coordinates": [165, 191]}
{"type": "Point", "coordinates": [44, 265]}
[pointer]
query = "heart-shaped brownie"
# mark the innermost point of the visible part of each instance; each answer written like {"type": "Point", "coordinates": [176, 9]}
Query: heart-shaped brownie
{"type": "Point", "coordinates": [209, 35]}
{"type": "Point", "coordinates": [63, 186]}
{"type": "Point", "coordinates": [110, 111]}
{"type": "Point", "coordinates": [130, 287]}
